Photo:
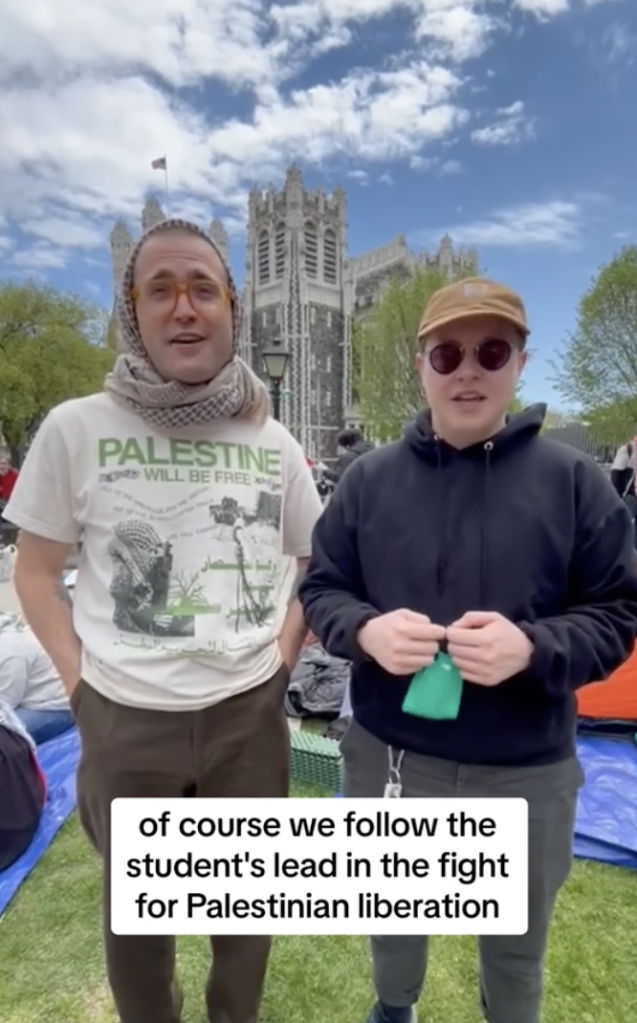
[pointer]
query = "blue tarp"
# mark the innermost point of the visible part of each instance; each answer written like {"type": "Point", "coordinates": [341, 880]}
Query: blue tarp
{"type": "Point", "coordinates": [606, 827]}
{"type": "Point", "coordinates": [606, 824]}
{"type": "Point", "coordinates": [58, 759]}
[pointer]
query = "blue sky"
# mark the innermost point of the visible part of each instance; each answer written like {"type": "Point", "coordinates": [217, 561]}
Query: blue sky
{"type": "Point", "coordinates": [511, 124]}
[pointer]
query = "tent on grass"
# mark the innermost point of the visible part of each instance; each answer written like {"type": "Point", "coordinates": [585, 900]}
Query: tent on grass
{"type": "Point", "coordinates": [610, 708]}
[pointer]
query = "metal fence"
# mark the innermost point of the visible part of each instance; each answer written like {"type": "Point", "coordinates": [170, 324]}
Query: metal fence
{"type": "Point", "coordinates": [582, 437]}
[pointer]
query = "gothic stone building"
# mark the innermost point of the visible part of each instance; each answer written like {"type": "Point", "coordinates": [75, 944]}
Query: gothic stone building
{"type": "Point", "coordinates": [302, 290]}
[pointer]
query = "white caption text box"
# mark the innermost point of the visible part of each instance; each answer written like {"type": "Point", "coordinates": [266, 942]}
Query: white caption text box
{"type": "Point", "coordinates": [325, 866]}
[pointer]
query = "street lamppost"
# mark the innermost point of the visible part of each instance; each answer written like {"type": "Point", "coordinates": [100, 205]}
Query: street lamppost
{"type": "Point", "coordinates": [275, 360]}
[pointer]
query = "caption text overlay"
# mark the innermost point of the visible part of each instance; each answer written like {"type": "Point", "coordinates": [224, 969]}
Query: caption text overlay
{"type": "Point", "coordinates": [301, 866]}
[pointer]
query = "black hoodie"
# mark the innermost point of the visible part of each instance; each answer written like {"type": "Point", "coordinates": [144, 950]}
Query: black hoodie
{"type": "Point", "coordinates": [361, 447]}
{"type": "Point", "coordinates": [520, 525]}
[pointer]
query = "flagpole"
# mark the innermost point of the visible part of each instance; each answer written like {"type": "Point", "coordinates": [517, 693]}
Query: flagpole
{"type": "Point", "coordinates": [162, 164]}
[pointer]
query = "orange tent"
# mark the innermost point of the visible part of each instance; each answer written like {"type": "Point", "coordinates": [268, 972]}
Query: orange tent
{"type": "Point", "coordinates": [613, 700]}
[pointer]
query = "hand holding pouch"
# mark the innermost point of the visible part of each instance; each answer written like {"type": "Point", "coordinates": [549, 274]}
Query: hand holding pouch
{"type": "Point", "coordinates": [435, 692]}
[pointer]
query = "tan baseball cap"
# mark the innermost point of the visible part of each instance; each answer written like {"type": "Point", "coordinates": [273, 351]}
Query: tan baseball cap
{"type": "Point", "coordinates": [475, 296]}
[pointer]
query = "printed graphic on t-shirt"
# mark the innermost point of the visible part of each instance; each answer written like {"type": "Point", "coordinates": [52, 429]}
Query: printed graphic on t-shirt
{"type": "Point", "coordinates": [11, 623]}
{"type": "Point", "coordinates": [203, 567]}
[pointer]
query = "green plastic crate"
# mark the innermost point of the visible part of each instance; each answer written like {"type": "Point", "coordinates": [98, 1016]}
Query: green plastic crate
{"type": "Point", "coordinates": [315, 760]}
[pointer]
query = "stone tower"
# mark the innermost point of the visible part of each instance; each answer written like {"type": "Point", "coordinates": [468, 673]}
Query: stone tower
{"type": "Point", "coordinates": [121, 244]}
{"type": "Point", "coordinates": [122, 241]}
{"type": "Point", "coordinates": [219, 236]}
{"type": "Point", "coordinates": [294, 294]}
{"type": "Point", "coordinates": [152, 214]}
{"type": "Point", "coordinates": [449, 259]}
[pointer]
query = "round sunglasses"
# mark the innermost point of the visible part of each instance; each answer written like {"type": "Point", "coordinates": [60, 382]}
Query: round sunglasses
{"type": "Point", "coordinates": [491, 354]}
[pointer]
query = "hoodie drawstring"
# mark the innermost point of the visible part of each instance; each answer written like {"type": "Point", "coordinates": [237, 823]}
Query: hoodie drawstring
{"type": "Point", "coordinates": [440, 563]}
{"type": "Point", "coordinates": [484, 555]}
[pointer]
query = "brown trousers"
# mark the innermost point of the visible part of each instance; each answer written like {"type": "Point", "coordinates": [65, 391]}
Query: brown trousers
{"type": "Point", "coordinates": [239, 748]}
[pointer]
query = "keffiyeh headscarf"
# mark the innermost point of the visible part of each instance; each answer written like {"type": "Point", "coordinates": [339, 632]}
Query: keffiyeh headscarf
{"type": "Point", "coordinates": [236, 392]}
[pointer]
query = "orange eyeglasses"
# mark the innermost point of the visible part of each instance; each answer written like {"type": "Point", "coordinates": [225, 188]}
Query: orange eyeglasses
{"type": "Point", "coordinates": [161, 294]}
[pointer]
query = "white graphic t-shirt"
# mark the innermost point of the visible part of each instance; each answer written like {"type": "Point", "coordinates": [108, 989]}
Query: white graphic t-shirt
{"type": "Point", "coordinates": [186, 539]}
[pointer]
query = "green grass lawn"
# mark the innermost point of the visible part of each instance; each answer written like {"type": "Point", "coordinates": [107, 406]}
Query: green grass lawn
{"type": "Point", "coordinates": [51, 967]}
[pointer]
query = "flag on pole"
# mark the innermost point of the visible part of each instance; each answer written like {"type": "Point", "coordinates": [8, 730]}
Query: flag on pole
{"type": "Point", "coordinates": [159, 164]}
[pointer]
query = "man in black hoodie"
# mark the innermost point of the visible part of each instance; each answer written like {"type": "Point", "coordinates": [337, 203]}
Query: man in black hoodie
{"type": "Point", "coordinates": [514, 555]}
{"type": "Point", "coordinates": [351, 445]}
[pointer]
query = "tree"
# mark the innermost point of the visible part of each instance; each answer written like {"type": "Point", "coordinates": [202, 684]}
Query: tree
{"type": "Point", "coordinates": [557, 420]}
{"type": "Point", "coordinates": [614, 423]}
{"type": "Point", "coordinates": [52, 347]}
{"type": "Point", "coordinates": [597, 370]}
{"type": "Point", "coordinates": [386, 386]}
{"type": "Point", "coordinates": [110, 334]}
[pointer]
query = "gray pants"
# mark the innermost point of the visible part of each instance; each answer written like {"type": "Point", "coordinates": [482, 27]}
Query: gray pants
{"type": "Point", "coordinates": [511, 968]}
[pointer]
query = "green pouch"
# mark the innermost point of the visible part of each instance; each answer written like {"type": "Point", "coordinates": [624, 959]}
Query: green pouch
{"type": "Point", "coordinates": [436, 691]}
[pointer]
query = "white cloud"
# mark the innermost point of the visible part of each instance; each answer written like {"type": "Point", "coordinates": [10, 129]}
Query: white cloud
{"type": "Point", "coordinates": [552, 224]}
{"type": "Point", "coordinates": [373, 115]}
{"type": "Point", "coordinates": [543, 8]}
{"type": "Point", "coordinates": [92, 93]}
{"type": "Point", "coordinates": [619, 46]}
{"type": "Point", "coordinates": [40, 256]}
{"type": "Point", "coordinates": [434, 165]}
{"type": "Point", "coordinates": [515, 110]}
{"type": "Point", "coordinates": [460, 28]}
{"type": "Point", "coordinates": [96, 158]}
{"type": "Point", "coordinates": [361, 177]}
{"type": "Point", "coordinates": [181, 41]}
{"type": "Point", "coordinates": [84, 112]}
{"type": "Point", "coordinates": [89, 146]}
{"type": "Point", "coordinates": [64, 231]}
{"type": "Point", "coordinates": [421, 163]}
{"type": "Point", "coordinates": [512, 127]}
{"type": "Point", "coordinates": [334, 39]}
{"type": "Point", "coordinates": [5, 241]}
{"type": "Point", "coordinates": [506, 133]}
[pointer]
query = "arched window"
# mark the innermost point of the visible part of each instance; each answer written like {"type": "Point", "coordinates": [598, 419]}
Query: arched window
{"type": "Point", "coordinates": [311, 249]}
{"type": "Point", "coordinates": [263, 257]}
{"type": "Point", "coordinates": [279, 251]}
{"type": "Point", "coordinates": [329, 257]}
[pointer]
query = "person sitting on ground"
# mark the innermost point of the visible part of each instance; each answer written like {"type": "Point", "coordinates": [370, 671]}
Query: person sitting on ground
{"type": "Point", "coordinates": [29, 682]}
{"type": "Point", "coordinates": [22, 786]}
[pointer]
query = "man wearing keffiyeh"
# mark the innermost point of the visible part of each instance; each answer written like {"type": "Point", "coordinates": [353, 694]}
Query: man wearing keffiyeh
{"type": "Point", "coordinates": [178, 649]}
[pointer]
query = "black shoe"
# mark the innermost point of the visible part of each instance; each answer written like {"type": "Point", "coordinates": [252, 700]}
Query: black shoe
{"type": "Point", "coordinates": [178, 999]}
{"type": "Point", "coordinates": [382, 1013]}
